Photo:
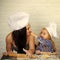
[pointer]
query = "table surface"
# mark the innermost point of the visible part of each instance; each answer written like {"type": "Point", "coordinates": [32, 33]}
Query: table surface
{"type": "Point", "coordinates": [34, 57]}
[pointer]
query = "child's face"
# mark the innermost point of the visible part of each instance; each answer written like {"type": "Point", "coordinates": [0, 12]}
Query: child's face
{"type": "Point", "coordinates": [44, 34]}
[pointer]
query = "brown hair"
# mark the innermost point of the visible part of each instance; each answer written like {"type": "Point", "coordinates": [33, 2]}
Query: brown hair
{"type": "Point", "coordinates": [19, 37]}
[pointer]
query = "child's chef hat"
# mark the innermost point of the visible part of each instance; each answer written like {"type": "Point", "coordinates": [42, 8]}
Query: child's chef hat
{"type": "Point", "coordinates": [18, 20]}
{"type": "Point", "coordinates": [52, 29]}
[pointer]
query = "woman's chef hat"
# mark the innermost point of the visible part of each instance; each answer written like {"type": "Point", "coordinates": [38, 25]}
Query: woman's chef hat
{"type": "Point", "coordinates": [52, 29]}
{"type": "Point", "coordinates": [18, 20]}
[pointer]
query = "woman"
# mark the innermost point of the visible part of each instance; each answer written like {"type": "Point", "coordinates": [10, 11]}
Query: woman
{"type": "Point", "coordinates": [21, 39]}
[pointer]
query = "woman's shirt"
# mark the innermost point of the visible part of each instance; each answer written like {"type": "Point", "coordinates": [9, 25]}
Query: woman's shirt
{"type": "Point", "coordinates": [44, 45]}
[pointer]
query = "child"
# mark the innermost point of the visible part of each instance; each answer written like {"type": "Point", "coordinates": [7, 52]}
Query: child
{"type": "Point", "coordinates": [46, 44]}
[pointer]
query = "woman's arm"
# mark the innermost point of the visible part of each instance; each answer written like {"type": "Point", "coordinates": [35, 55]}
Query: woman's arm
{"type": "Point", "coordinates": [8, 43]}
{"type": "Point", "coordinates": [32, 44]}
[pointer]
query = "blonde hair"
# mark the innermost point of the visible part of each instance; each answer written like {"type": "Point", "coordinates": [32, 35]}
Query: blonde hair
{"type": "Point", "coordinates": [53, 44]}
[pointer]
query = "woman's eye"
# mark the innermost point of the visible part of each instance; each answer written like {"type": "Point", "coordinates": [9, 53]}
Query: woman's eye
{"type": "Point", "coordinates": [40, 32]}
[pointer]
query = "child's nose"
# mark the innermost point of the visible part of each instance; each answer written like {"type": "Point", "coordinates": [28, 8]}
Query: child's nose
{"type": "Point", "coordinates": [41, 35]}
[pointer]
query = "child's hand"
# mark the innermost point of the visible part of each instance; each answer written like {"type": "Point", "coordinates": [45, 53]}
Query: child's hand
{"type": "Point", "coordinates": [38, 52]}
{"type": "Point", "coordinates": [27, 52]}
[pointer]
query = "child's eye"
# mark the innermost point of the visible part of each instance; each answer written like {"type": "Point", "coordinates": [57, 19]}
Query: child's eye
{"type": "Point", "coordinates": [43, 33]}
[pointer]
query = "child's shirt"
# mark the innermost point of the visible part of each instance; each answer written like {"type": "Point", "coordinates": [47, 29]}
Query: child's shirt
{"type": "Point", "coordinates": [44, 45]}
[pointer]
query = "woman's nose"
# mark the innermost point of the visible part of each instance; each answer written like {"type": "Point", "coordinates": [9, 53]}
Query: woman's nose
{"type": "Point", "coordinates": [30, 30]}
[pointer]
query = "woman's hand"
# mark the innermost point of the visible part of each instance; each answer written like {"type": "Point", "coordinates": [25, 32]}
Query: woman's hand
{"type": "Point", "coordinates": [7, 53]}
{"type": "Point", "coordinates": [28, 52]}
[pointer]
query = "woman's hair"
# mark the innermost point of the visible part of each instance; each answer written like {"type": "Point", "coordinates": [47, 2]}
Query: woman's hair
{"type": "Point", "coordinates": [19, 37]}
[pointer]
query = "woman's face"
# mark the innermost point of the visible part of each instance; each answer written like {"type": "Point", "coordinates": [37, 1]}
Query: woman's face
{"type": "Point", "coordinates": [44, 34]}
{"type": "Point", "coordinates": [28, 30]}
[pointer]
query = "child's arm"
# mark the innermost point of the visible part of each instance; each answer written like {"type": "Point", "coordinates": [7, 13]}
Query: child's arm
{"type": "Point", "coordinates": [48, 53]}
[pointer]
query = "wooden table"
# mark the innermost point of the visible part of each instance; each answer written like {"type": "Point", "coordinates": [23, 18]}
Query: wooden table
{"type": "Point", "coordinates": [34, 57]}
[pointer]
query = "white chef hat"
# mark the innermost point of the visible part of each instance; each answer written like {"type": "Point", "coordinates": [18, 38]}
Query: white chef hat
{"type": "Point", "coordinates": [52, 29]}
{"type": "Point", "coordinates": [18, 20]}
